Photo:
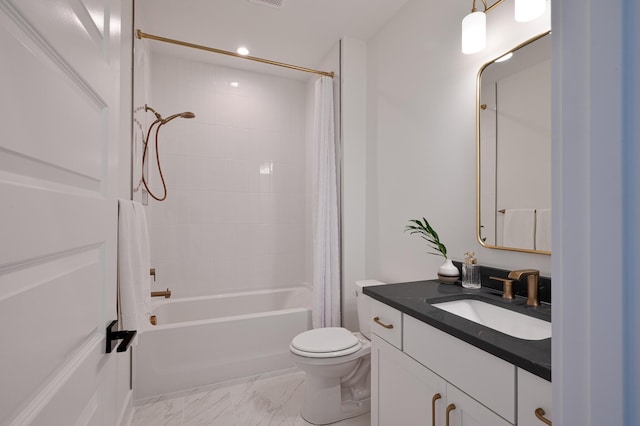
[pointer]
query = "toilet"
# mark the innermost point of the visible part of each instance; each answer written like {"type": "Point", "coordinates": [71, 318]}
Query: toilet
{"type": "Point", "coordinates": [337, 366]}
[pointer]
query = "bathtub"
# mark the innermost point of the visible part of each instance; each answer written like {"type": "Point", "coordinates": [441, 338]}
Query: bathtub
{"type": "Point", "coordinates": [204, 340]}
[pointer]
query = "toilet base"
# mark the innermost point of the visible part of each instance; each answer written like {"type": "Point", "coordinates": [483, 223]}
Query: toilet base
{"type": "Point", "coordinates": [330, 400]}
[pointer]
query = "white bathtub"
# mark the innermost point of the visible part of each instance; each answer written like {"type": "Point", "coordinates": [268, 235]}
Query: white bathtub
{"type": "Point", "coordinates": [203, 340]}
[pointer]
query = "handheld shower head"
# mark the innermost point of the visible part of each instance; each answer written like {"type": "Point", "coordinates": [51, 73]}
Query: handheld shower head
{"type": "Point", "coordinates": [185, 114]}
{"type": "Point", "coordinates": [160, 122]}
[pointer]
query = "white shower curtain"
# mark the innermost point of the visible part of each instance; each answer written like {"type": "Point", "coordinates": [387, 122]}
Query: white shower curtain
{"type": "Point", "coordinates": [326, 248]}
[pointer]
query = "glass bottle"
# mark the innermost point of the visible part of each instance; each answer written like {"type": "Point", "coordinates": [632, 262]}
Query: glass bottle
{"type": "Point", "coordinates": [470, 271]}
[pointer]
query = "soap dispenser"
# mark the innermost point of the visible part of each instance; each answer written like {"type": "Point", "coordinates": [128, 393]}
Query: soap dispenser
{"type": "Point", "coordinates": [470, 271]}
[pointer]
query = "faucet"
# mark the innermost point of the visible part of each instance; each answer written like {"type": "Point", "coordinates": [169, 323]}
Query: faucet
{"type": "Point", "coordinates": [532, 283]}
{"type": "Point", "coordinates": [165, 293]}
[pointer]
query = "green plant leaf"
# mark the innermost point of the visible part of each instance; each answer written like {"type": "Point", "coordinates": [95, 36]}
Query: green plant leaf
{"type": "Point", "coordinates": [426, 232]}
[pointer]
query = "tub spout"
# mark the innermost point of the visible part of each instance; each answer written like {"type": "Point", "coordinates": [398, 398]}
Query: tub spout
{"type": "Point", "coordinates": [165, 293]}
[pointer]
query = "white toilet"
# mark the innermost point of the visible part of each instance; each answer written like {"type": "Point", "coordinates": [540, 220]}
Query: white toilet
{"type": "Point", "coordinates": [337, 363]}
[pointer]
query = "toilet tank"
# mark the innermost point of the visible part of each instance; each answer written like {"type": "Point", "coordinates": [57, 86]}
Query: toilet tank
{"type": "Point", "coordinates": [364, 306]}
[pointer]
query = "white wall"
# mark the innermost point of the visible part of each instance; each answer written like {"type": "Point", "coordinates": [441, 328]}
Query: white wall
{"type": "Point", "coordinates": [234, 218]}
{"type": "Point", "coordinates": [421, 138]}
{"type": "Point", "coordinates": [353, 80]}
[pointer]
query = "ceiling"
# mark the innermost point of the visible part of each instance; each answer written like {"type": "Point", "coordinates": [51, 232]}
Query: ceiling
{"type": "Point", "coordinates": [300, 32]}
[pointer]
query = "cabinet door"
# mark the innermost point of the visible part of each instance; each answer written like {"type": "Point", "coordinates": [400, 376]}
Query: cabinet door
{"type": "Point", "coordinates": [483, 376]}
{"type": "Point", "coordinates": [466, 411]}
{"type": "Point", "coordinates": [403, 390]}
{"type": "Point", "coordinates": [533, 393]}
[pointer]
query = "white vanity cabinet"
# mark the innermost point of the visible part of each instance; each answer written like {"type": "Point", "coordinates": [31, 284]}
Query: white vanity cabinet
{"type": "Point", "coordinates": [534, 394]}
{"type": "Point", "coordinates": [387, 323]}
{"type": "Point", "coordinates": [403, 392]}
{"type": "Point", "coordinates": [421, 375]}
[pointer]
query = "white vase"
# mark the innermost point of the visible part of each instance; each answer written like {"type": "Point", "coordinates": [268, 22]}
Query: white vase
{"type": "Point", "coordinates": [448, 273]}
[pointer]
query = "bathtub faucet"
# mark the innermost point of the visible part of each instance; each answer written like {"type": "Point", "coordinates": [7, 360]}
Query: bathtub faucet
{"type": "Point", "coordinates": [165, 293]}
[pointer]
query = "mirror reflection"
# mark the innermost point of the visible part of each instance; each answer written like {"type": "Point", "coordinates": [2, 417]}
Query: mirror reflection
{"type": "Point", "coordinates": [514, 149]}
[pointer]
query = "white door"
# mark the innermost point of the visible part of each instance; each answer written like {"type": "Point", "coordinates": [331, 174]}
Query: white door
{"type": "Point", "coordinates": [59, 88]}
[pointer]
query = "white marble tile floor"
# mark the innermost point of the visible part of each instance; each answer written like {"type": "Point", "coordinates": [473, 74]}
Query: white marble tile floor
{"type": "Point", "coordinates": [257, 401]}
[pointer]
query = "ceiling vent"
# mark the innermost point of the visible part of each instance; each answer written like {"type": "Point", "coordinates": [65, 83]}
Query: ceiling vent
{"type": "Point", "coordinates": [276, 4]}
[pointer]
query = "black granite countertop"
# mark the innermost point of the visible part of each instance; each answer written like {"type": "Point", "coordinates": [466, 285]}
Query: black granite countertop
{"type": "Point", "coordinates": [415, 299]}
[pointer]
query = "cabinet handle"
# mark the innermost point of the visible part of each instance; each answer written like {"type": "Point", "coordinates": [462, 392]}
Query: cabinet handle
{"type": "Point", "coordinates": [387, 326]}
{"type": "Point", "coordinates": [433, 408]}
{"type": "Point", "coordinates": [540, 415]}
{"type": "Point", "coordinates": [450, 408]}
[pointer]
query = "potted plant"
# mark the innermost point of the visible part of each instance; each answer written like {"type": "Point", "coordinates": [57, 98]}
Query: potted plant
{"type": "Point", "coordinates": [447, 273]}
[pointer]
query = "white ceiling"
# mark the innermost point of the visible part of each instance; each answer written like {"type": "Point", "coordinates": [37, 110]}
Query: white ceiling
{"type": "Point", "coordinates": [301, 32]}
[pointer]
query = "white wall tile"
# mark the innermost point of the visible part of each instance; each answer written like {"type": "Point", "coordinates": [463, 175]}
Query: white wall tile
{"type": "Point", "coordinates": [225, 226]}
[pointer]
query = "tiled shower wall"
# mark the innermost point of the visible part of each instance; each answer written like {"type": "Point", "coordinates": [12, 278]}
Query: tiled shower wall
{"type": "Point", "coordinates": [234, 218]}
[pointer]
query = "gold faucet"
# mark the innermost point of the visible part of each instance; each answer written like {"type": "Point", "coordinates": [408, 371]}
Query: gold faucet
{"type": "Point", "coordinates": [532, 283]}
{"type": "Point", "coordinates": [507, 287]}
{"type": "Point", "coordinates": [165, 293]}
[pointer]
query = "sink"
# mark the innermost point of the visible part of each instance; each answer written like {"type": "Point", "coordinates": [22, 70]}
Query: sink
{"type": "Point", "coordinates": [503, 320]}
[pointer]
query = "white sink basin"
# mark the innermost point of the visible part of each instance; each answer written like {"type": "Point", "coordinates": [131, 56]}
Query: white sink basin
{"type": "Point", "coordinates": [500, 319]}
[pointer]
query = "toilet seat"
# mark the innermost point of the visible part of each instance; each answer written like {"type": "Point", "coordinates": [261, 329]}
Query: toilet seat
{"type": "Point", "coordinates": [327, 342]}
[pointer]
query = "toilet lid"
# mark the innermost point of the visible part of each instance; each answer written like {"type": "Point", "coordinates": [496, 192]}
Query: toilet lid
{"type": "Point", "coordinates": [326, 340]}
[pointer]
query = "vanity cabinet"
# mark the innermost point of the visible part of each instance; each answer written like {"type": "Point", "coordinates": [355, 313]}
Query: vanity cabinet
{"type": "Point", "coordinates": [421, 375]}
{"type": "Point", "coordinates": [534, 394]}
{"type": "Point", "coordinates": [402, 389]}
{"type": "Point", "coordinates": [406, 393]}
{"type": "Point", "coordinates": [387, 323]}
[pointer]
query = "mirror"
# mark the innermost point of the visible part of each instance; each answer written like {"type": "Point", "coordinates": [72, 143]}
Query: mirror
{"type": "Point", "coordinates": [513, 138]}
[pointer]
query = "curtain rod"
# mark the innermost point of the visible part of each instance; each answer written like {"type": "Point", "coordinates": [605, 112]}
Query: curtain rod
{"type": "Point", "coordinates": [142, 35]}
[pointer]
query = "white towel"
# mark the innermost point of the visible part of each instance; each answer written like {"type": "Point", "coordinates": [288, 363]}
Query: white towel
{"type": "Point", "coordinates": [134, 291]}
{"type": "Point", "coordinates": [543, 229]}
{"type": "Point", "coordinates": [519, 228]}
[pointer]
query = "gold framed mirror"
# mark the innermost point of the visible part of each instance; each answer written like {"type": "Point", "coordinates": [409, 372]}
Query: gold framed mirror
{"type": "Point", "coordinates": [513, 149]}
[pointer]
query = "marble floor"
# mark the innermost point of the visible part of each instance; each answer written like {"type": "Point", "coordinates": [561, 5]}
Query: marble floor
{"type": "Point", "coordinates": [273, 399]}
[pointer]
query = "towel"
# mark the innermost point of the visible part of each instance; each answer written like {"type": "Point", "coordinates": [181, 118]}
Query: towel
{"type": "Point", "coordinates": [519, 228]}
{"type": "Point", "coordinates": [134, 291]}
{"type": "Point", "coordinates": [543, 229]}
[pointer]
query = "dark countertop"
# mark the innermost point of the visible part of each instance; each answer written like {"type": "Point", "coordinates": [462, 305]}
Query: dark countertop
{"type": "Point", "coordinates": [415, 298]}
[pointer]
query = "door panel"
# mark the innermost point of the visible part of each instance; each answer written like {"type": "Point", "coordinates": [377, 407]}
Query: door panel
{"type": "Point", "coordinates": [59, 80]}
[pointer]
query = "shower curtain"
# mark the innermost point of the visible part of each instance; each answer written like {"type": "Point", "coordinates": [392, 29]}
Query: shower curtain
{"type": "Point", "coordinates": [326, 248]}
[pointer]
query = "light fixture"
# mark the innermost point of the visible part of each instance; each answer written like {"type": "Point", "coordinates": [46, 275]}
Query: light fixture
{"type": "Point", "coordinates": [242, 51]}
{"type": "Point", "coordinates": [474, 25]}
{"type": "Point", "coordinates": [474, 32]}
{"type": "Point", "coordinates": [234, 84]}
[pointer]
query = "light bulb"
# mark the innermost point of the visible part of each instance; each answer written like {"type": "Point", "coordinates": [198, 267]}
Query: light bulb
{"type": "Point", "coordinates": [474, 32]}
{"type": "Point", "coordinates": [528, 10]}
{"type": "Point", "coordinates": [242, 51]}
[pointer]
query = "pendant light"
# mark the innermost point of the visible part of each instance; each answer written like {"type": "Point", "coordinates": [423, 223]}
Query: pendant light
{"type": "Point", "coordinates": [474, 25]}
{"type": "Point", "coordinates": [474, 32]}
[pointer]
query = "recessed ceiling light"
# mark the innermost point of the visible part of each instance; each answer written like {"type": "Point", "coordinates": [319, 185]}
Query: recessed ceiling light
{"type": "Point", "coordinates": [242, 51]}
{"type": "Point", "coordinates": [234, 84]}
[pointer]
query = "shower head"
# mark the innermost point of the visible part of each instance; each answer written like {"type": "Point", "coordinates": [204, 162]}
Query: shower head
{"type": "Point", "coordinates": [186, 114]}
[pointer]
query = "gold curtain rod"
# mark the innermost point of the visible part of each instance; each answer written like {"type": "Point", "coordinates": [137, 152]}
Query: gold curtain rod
{"type": "Point", "coordinates": [142, 35]}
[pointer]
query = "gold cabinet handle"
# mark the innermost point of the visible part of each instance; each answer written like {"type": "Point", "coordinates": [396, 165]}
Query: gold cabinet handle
{"type": "Point", "coordinates": [387, 326]}
{"type": "Point", "coordinates": [433, 408]}
{"type": "Point", "coordinates": [450, 408]}
{"type": "Point", "coordinates": [540, 415]}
